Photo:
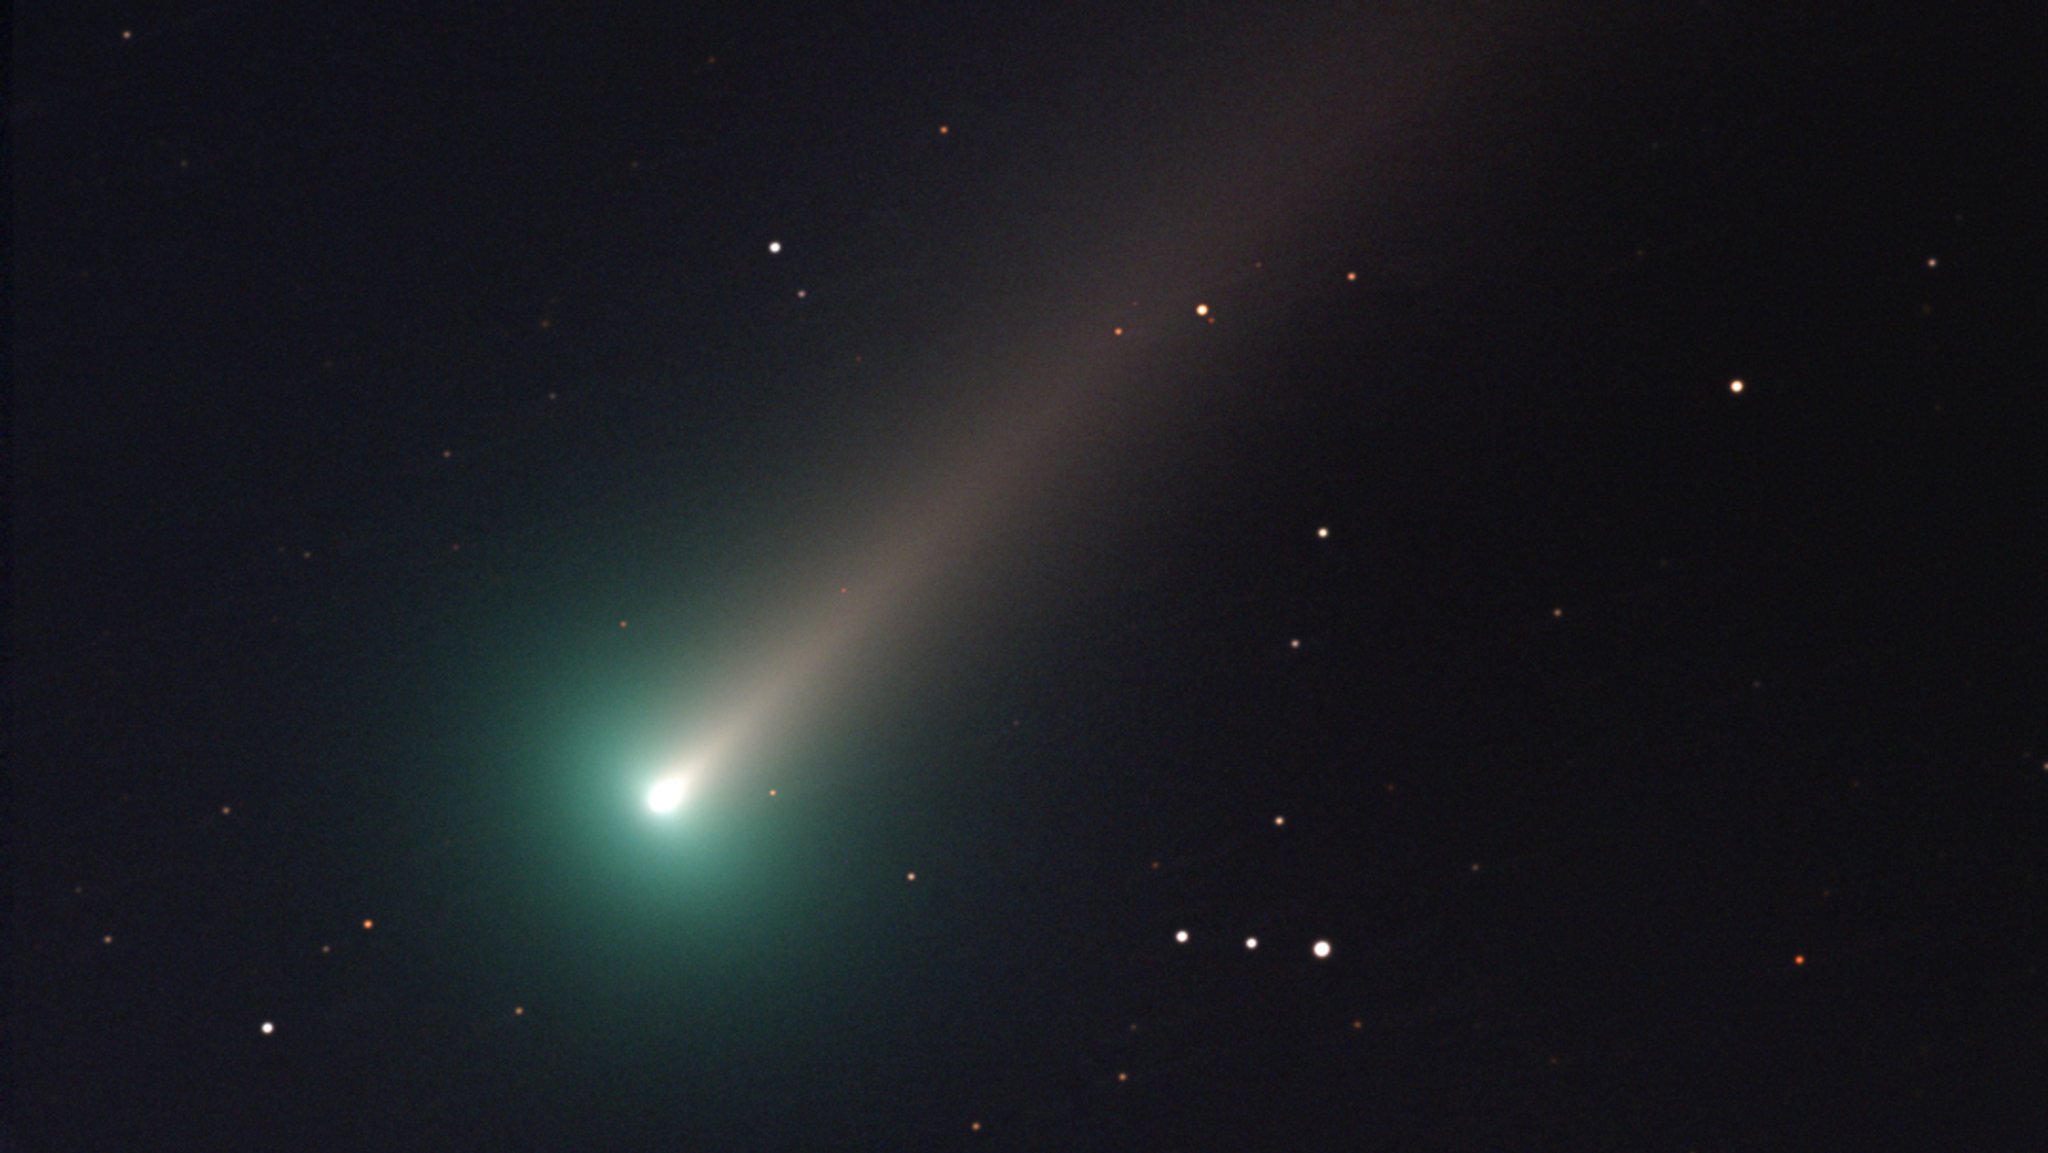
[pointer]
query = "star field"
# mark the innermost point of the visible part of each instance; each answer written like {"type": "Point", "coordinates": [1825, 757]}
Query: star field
{"type": "Point", "coordinates": [1386, 577]}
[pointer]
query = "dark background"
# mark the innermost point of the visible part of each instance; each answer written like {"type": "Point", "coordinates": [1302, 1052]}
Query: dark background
{"type": "Point", "coordinates": [1666, 765]}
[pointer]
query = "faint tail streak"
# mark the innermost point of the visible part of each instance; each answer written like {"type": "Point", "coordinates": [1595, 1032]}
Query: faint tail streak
{"type": "Point", "coordinates": [1303, 123]}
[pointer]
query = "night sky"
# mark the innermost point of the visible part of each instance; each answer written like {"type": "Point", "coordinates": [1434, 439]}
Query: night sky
{"type": "Point", "coordinates": [1379, 576]}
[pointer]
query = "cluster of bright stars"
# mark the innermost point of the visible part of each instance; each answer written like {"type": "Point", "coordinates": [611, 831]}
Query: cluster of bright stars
{"type": "Point", "coordinates": [1321, 949]}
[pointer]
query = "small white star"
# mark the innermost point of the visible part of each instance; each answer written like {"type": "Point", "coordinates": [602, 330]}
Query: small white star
{"type": "Point", "coordinates": [1251, 942]}
{"type": "Point", "coordinates": [1321, 949]}
{"type": "Point", "coordinates": [1181, 936]}
{"type": "Point", "coordinates": [268, 1028]}
{"type": "Point", "coordinates": [774, 246]}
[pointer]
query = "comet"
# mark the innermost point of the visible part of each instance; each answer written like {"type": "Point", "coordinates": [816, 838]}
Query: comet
{"type": "Point", "coordinates": [1054, 395]}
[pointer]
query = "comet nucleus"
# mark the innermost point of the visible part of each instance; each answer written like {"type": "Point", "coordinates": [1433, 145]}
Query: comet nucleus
{"type": "Point", "coordinates": [666, 794]}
